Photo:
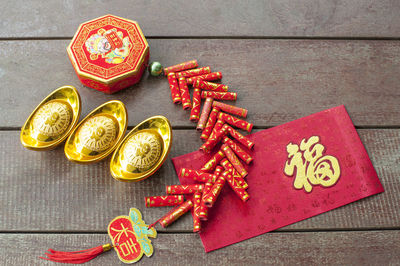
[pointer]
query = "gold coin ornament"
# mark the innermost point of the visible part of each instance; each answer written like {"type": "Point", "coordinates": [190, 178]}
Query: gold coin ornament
{"type": "Point", "coordinates": [52, 120]}
{"type": "Point", "coordinates": [98, 134]}
{"type": "Point", "coordinates": [143, 150]}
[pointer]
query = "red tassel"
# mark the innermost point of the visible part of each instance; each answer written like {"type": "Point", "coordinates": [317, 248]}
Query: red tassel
{"type": "Point", "coordinates": [76, 257]}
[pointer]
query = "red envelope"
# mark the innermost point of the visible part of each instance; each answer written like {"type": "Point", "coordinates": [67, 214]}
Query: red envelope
{"type": "Point", "coordinates": [301, 169]}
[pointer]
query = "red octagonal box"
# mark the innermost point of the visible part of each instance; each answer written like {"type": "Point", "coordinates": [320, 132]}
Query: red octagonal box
{"type": "Point", "coordinates": [109, 53]}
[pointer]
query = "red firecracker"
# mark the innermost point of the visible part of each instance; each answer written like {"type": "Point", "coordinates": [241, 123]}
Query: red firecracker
{"type": "Point", "coordinates": [212, 119]}
{"type": "Point", "coordinates": [180, 67]}
{"type": "Point", "coordinates": [206, 77]}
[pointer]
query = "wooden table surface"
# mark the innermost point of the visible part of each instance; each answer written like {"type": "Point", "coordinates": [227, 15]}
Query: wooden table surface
{"type": "Point", "coordinates": [285, 59]}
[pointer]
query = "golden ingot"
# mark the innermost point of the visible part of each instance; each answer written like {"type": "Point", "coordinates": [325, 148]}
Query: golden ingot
{"type": "Point", "coordinates": [143, 150]}
{"type": "Point", "coordinates": [98, 134]}
{"type": "Point", "coordinates": [52, 120]}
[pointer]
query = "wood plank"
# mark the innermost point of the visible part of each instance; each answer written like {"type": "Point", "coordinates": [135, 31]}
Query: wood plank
{"type": "Point", "coordinates": [43, 191]}
{"type": "Point", "coordinates": [311, 248]}
{"type": "Point", "coordinates": [209, 18]}
{"type": "Point", "coordinates": [277, 80]}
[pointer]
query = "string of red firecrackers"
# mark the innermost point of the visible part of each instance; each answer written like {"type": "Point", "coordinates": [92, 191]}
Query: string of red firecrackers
{"type": "Point", "coordinates": [216, 122]}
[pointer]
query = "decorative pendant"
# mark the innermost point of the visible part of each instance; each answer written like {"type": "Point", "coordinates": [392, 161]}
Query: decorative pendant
{"type": "Point", "coordinates": [129, 236]}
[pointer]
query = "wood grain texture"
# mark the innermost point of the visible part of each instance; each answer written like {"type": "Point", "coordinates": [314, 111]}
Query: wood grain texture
{"type": "Point", "coordinates": [348, 18]}
{"type": "Point", "coordinates": [311, 248]}
{"type": "Point", "coordinates": [42, 191]}
{"type": "Point", "coordinates": [277, 80]}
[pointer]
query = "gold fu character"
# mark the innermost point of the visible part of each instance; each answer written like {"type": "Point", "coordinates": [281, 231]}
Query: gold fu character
{"type": "Point", "coordinates": [312, 168]}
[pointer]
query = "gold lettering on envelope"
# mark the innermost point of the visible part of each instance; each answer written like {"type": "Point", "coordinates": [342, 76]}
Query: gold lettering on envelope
{"type": "Point", "coordinates": [309, 166]}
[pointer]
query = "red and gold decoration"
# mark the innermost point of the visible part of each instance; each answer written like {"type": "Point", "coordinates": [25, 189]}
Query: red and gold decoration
{"type": "Point", "coordinates": [209, 86]}
{"type": "Point", "coordinates": [204, 114]}
{"type": "Point", "coordinates": [159, 201]}
{"type": "Point", "coordinates": [212, 141]}
{"type": "Point", "coordinates": [219, 95]}
{"type": "Point", "coordinates": [203, 212]}
{"type": "Point", "coordinates": [236, 122]}
{"type": "Point", "coordinates": [215, 123]}
{"type": "Point", "coordinates": [241, 153]}
{"type": "Point", "coordinates": [233, 159]}
{"type": "Point", "coordinates": [109, 53]}
{"type": "Point", "coordinates": [174, 214]}
{"type": "Point", "coordinates": [195, 112]}
{"type": "Point", "coordinates": [184, 90]}
{"type": "Point", "coordinates": [238, 177]}
{"type": "Point", "coordinates": [174, 87]}
{"type": "Point", "coordinates": [193, 72]}
{"type": "Point", "coordinates": [298, 172]}
{"type": "Point", "coordinates": [202, 196]}
{"type": "Point", "coordinates": [217, 127]}
{"type": "Point", "coordinates": [213, 162]}
{"type": "Point", "coordinates": [212, 119]}
{"type": "Point", "coordinates": [129, 236]}
{"type": "Point", "coordinates": [183, 189]}
{"type": "Point", "coordinates": [207, 77]}
{"type": "Point", "coordinates": [230, 109]}
{"type": "Point", "coordinates": [196, 212]}
{"type": "Point", "coordinates": [239, 137]}
{"type": "Point", "coordinates": [144, 149]}
{"type": "Point", "coordinates": [181, 67]}
{"type": "Point", "coordinates": [198, 176]}
{"type": "Point", "coordinates": [210, 198]}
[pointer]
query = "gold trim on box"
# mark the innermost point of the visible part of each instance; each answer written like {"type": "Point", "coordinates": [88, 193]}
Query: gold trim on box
{"type": "Point", "coordinates": [143, 150]}
{"type": "Point", "coordinates": [52, 120]}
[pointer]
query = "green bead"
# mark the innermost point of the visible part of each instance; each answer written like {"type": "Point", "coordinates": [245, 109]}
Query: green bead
{"type": "Point", "coordinates": [155, 69]}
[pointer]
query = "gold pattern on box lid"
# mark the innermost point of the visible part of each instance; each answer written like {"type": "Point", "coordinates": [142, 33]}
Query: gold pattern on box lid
{"type": "Point", "coordinates": [52, 120]}
{"type": "Point", "coordinates": [143, 150]}
{"type": "Point", "coordinates": [98, 134]}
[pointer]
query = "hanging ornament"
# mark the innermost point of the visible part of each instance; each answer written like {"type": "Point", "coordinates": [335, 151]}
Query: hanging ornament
{"type": "Point", "coordinates": [155, 69]}
{"type": "Point", "coordinates": [129, 236]}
